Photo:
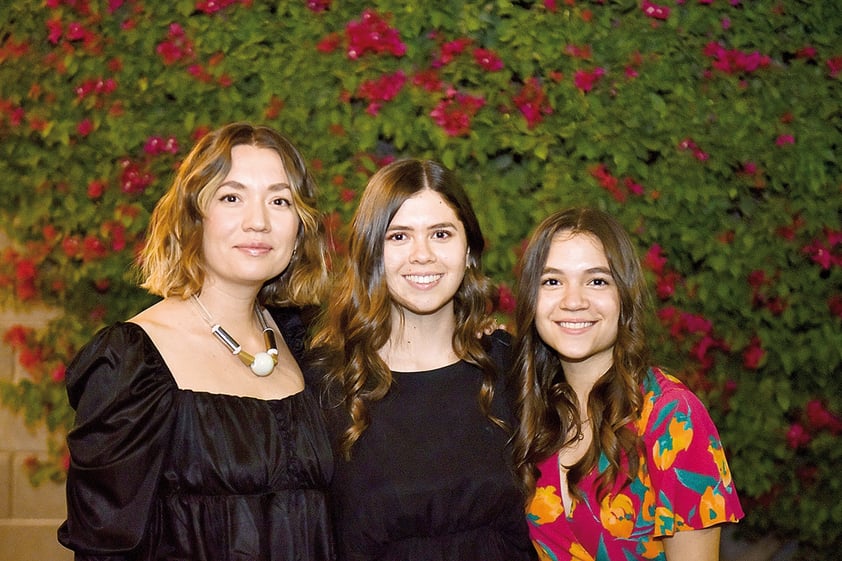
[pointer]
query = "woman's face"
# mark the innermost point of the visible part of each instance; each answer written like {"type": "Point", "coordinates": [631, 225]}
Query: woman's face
{"type": "Point", "coordinates": [578, 304]}
{"type": "Point", "coordinates": [251, 223]}
{"type": "Point", "coordinates": [425, 255]}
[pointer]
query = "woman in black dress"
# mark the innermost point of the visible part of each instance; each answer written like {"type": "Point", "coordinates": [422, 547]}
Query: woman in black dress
{"type": "Point", "coordinates": [195, 436]}
{"type": "Point", "coordinates": [417, 402]}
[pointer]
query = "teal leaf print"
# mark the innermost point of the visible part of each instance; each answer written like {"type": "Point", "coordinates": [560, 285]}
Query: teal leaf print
{"type": "Point", "coordinates": [695, 481]}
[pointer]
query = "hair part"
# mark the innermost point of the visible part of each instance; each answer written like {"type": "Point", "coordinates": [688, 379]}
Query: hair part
{"type": "Point", "coordinates": [547, 406]}
{"type": "Point", "coordinates": [357, 322]}
{"type": "Point", "coordinates": [171, 262]}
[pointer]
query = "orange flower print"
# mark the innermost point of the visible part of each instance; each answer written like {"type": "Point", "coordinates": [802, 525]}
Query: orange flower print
{"type": "Point", "coordinates": [617, 515]}
{"type": "Point", "coordinates": [677, 439]}
{"type": "Point", "coordinates": [546, 506]}
{"type": "Point", "coordinates": [648, 403]}
{"type": "Point", "coordinates": [578, 553]}
{"type": "Point", "coordinates": [649, 548]}
{"type": "Point", "coordinates": [667, 522]}
{"type": "Point", "coordinates": [711, 507]}
{"type": "Point", "coordinates": [718, 454]}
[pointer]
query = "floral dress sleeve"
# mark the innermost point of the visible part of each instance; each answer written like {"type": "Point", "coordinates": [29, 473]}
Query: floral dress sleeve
{"type": "Point", "coordinates": [690, 480]}
{"type": "Point", "coordinates": [123, 396]}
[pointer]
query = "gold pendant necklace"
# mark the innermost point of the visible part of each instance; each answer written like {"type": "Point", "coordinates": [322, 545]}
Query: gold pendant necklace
{"type": "Point", "coordinates": [261, 364]}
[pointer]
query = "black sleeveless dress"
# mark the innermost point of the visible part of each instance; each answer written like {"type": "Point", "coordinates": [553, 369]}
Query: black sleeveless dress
{"type": "Point", "coordinates": [163, 473]}
{"type": "Point", "coordinates": [431, 478]}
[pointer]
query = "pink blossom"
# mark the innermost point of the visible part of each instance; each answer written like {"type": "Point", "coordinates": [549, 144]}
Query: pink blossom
{"type": "Point", "coordinates": [488, 60]}
{"type": "Point", "coordinates": [96, 189]}
{"type": "Point", "coordinates": [318, 6]}
{"type": "Point", "coordinates": [550, 5]}
{"type": "Point", "coordinates": [753, 354]}
{"type": "Point", "coordinates": [654, 260]}
{"type": "Point", "coordinates": [505, 299]}
{"type": "Point", "coordinates": [329, 44]}
{"type": "Point", "coordinates": [585, 80]}
{"type": "Point", "coordinates": [785, 139]}
{"type": "Point", "coordinates": [384, 88]}
{"type": "Point", "coordinates": [694, 323]}
{"type": "Point", "coordinates": [532, 102]}
{"type": "Point", "coordinates": [451, 50]}
{"type": "Point", "coordinates": [372, 34]}
{"type": "Point", "coordinates": [428, 80]}
{"type": "Point", "coordinates": [58, 374]}
{"type": "Point", "coordinates": [85, 127]}
{"type": "Point", "coordinates": [654, 11]}
{"type": "Point", "coordinates": [797, 437]}
{"type": "Point", "coordinates": [454, 113]}
{"type": "Point", "coordinates": [834, 65]}
{"type": "Point", "coordinates": [54, 31]}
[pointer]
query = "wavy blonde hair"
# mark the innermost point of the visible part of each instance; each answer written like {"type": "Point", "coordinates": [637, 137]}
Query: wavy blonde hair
{"type": "Point", "coordinates": [549, 417]}
{"type": "Point", "coordinates": [171, 262]}
{"type": "Point", "coordinates": [357, 321]}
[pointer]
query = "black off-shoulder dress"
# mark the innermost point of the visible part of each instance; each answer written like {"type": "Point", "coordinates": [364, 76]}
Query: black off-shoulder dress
{"type": "Point", "coordinates": [158, 472]}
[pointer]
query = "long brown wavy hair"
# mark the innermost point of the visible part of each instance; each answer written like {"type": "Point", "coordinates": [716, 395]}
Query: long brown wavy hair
{"type": "Point", "coordinates": [171, 262]}
{"type": "Point", "coordinates": [356, 323]}
{"type": "Point", "coordinates": [549, 416]}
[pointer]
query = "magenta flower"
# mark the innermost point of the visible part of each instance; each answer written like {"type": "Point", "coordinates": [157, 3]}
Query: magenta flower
{"type": "Point", "coordinates": [797, 437]}
{"type": "Point", "coordinates": [834, 65]}
{"type": "Point", "coordinates": [372, 34]}
{"type": "Point", "coordinates": [318, 6]}
{"type": "Point", "coordinates": [654, 11]}
{"type": "Point", "coordinates": [585, 80]}
{"type": "Point", "coordinates": [784, 139]}
{"type": "Point", "coordinates": [54, 31]}
{"type": "Point", "coordinates": [451, 50]}
{"type": "Point", "coordinates": [384, 88]}
{"type": "Point", "coordinates": [531, 101]}
{"type": "Point", "coordinates": [85, 127]}
{"type": "Point", "coordinates": [654, 259]}
{"type": "Point", "coordinates": [753, 354]}
{"type": "Point", "coordinates": [455, 112]}
{"type": "Point", "coordinates": [488, 60]}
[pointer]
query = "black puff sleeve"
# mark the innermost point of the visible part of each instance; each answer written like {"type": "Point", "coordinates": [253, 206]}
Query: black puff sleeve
{"type": "Point", "coordinates": [124, 396]}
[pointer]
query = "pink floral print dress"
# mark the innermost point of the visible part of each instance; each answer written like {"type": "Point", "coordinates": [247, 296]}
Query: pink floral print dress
{"type": "Point", "coordinates": [683, 483]}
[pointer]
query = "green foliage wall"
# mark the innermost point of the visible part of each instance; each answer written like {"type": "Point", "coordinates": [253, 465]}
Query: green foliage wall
{"type": "Point", "coordinates": [711, 128]}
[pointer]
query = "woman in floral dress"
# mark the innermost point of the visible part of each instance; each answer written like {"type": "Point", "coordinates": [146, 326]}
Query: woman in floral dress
{"type": "Point", "coordinates": [620, 459]}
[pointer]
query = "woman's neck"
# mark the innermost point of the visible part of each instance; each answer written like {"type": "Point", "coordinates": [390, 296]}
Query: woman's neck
{"type": "Point", "coordinates": [420, 342]}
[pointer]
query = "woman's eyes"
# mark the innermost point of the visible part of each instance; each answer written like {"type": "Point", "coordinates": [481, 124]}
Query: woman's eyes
{"type": "Point", "coordinates": [282, 201]}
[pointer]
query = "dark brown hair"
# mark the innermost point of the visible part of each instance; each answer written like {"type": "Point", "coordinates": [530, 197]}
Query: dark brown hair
{"type": "Point", "coordinates": [357, 320]}
{"type": "Point", "coordinates": [547, 406]}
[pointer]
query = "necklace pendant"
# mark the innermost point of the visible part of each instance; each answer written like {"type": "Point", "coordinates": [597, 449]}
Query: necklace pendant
{"type": "Point", "coordinates": [262, 365]}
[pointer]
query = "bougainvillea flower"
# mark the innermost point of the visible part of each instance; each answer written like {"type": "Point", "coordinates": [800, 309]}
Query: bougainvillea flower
{"type": "Point", "coordinates": [784, 139]}
{"type": "Point", "coordinates": [450, 50]}
{"type": "Point", "coordinates": [834, 65]}
{"type": "Point", "coordinates": [797, 436]}
{"type": "Point", "coordinates": [654, 260]}
{"type": "Point", "coordinates": [372, 34]}
{"type": "Point", "coordinates": [488, 60]}
{"type": "Point", "coordinates": [531, 101]}
{"type": "Point", "coordinates": [586, 80]}
{"type": "Point", "coordinates": [655, 11]}
{"type": "Point", "coordinates": [454, 113]}
{"type": "Point", "coordinates": [384, 88]}
{"type": "Point", "coordinates": [753, 354]}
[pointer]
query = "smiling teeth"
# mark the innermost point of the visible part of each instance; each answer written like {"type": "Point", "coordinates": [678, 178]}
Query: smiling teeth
{"type": "Point", "coordinates": [423, 279]}
{"type": "Point", "coordinates": [575, 324]}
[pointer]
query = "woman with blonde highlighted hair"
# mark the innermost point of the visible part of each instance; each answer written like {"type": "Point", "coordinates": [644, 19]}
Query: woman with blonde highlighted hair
{"type": "Point", "coordinates": [195, 435]}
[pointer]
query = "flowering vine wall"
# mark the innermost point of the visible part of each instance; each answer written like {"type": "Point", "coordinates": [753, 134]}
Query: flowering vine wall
{"type": "Point", "coordinates": [710, 128]}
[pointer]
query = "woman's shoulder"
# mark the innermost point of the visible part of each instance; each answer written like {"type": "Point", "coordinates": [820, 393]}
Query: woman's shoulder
{"type": "Point", "coordinates": [114, 361]}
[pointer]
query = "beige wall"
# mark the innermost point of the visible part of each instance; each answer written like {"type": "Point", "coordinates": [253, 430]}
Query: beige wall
{"type": "Point", "coordinates": [29, 516]}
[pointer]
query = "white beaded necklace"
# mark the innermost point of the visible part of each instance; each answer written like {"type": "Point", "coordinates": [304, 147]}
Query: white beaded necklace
{"type": "Point", "coordinates": [261, 364]}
